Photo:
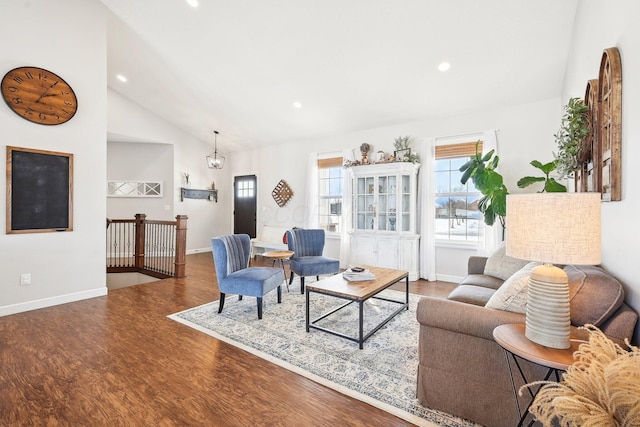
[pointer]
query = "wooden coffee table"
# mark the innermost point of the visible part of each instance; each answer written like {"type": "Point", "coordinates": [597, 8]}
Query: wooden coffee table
{"type": "Point", "coordinates": [357, 292]}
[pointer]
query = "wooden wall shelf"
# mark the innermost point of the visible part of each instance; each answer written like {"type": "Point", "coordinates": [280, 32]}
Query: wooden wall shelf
{"type": "Point", "coordinates": [194, 193]}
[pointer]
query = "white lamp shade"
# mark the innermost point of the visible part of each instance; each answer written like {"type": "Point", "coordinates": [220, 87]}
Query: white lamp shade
{"type": "Point", "coordinates": [555, 228]}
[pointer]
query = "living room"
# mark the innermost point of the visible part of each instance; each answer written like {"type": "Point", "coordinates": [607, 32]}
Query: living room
{"type": "Point", "coordinates": [525, 132]}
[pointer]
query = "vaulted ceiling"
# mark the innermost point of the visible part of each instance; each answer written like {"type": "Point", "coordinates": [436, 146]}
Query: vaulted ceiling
{"type": "Point", "coordinates": [237, 66]}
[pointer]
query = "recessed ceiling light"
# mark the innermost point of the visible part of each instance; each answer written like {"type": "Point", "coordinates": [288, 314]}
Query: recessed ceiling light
{"type": "Point", "coordinates": [192, 3]}
{"type": "Point", "coordinates": [444, 66]}
{"type": "Point", "coordinates": [297, 104]}
{"type": "Point", "coordinates": [122, 78]}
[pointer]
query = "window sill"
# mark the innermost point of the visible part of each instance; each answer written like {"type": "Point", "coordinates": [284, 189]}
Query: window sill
{"type": "Point", "coordinates": [456, 244]}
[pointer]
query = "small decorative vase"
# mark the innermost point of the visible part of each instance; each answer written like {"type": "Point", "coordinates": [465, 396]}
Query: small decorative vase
{"type": "Point", "coordinates": [365, 160]}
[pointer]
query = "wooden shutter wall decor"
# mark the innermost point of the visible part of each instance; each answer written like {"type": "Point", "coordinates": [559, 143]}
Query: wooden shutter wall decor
{"type": "Point", "coordinates": [600, 155]}
{"type": "Point", "coordinates": [610, 126]}
{"type": "Point", "coordinates": [589, 174]}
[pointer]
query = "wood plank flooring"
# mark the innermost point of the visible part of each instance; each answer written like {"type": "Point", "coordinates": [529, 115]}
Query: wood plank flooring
{"type": "Point", "coordinates": [119, 361]}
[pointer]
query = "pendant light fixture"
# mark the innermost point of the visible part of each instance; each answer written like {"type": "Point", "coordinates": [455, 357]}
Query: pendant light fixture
{"type": "Point", "coordinates": [215, 160]}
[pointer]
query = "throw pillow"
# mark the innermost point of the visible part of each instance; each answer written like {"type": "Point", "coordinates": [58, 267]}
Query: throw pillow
{"type": "Point", "coordinates": [595, 294]}
{"type": "Point", "coordinates": [502, 266]}
{"type": "Point", "coordinates": [512, 295]}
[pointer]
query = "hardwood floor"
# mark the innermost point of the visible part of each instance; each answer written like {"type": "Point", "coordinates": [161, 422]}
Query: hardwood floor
{"type": "Point", "coordinates": [119, 361]}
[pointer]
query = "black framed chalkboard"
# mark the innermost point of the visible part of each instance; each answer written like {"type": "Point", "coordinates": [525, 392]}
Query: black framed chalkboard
{"type": "Point", "coordinates": [39, 191]}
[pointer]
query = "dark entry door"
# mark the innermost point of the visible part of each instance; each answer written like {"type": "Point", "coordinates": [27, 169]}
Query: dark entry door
{"type": "Point", "coordinates": [245, 205]}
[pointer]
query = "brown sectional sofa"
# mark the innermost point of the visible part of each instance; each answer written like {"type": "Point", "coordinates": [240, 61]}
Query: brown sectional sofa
{"type": "Point", "coordinates": [462, 371]}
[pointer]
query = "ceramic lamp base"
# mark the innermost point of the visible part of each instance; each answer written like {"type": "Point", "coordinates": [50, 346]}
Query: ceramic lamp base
{"type": "Point", "coordinates": [548, 318]}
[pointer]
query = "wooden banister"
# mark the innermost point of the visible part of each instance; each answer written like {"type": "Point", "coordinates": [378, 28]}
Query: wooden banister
{"type": "Point", "coordinates": [154, 248]}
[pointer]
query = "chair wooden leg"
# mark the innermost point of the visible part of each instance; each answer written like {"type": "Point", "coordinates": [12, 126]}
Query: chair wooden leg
{"type": "Point", "coordinates": [291, 278]}
{"type": "Point", "coordinates": [279, 294]}
{"type": "Point", "coordinates": [317, 277]}
{"type": "Point", "coordinates": [239, 297]}
{"type": "Point", "coordinates": [221, 303]}
{"type": "Point", "coordinates": [259, 307]}
{"type": "Point", "coordinates": [301, 285]}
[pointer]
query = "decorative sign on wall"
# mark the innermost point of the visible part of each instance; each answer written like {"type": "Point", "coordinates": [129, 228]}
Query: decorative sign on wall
{"type": "Point", "coordinates": [39, 191]}
{"type": "Point", "coordinates": [282, 193]}
{"type": "Point", "coordinates": [134, 189]}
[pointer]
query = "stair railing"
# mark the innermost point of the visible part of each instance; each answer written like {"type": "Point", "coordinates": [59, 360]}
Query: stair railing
{"type": "Point", "coordinates": [151, 247]}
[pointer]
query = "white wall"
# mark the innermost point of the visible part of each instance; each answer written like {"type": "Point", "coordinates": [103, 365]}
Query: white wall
{"type": "Point", "coordinates": [68, 38]}
{"type": "Point", "coordinates": [526, 133]}
{"type": "Point", "coordinates": [130, 121]}
{"type": "Point", "coordinates": [129, 161]}
{"type": "Point", "coordinates": [600, 25]}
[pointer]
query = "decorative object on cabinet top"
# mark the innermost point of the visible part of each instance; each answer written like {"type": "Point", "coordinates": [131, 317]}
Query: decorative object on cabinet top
{"type": "Point", "coordinates": [402, 153]}
{"type": "Point", "coordinates": [282, 193]}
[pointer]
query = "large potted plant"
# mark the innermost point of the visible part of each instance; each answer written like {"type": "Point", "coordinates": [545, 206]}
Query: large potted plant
{"type": "Point", "coordinates": [482, 172]}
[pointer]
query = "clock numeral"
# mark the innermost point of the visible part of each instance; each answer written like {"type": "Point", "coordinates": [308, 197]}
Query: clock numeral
{"type": "Point", "coordinates": [57, 117]}
{"type": "Point", "coordinates": [65, 92]}
{"type": "Point", "coordinates": [16, 100]}
{"type": "Point", "coordinates": [68, 103]}
{"type": "Point", "coordinates": [28, 111]}
{"type": "Point", "coordinates": [28, 74]}
{"type": "Point", "coordinates": [42, 116]}
{"type": "Point", "coordinates": [12, 88]}
{"type": "Point", "coordinates": [42, 76]}
{"type": "Point", "coordinates": [18, 79]}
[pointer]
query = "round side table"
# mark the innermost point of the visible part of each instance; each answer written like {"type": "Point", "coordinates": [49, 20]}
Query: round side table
{"type": "Point", "coordinates": [279, 255]}
{"type": "Point", "coordinates": [514, 342]}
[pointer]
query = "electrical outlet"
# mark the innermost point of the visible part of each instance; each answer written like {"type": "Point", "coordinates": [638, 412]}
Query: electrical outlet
{"type": "Point", "coordinates": [25, 279]}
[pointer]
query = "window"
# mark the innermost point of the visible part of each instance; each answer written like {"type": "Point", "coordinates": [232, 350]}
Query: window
{"type": "Point", "coordinates": [245, 188]}
{"type": "Point", "coordinates": [457, 216]}
{"type": "Point", "coordinates": [330, 193]}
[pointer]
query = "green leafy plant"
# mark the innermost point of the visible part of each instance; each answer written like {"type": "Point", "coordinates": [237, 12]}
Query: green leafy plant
{"type": "Point", "coordinates": [402, 142]}
{"type": "Point", "coordinates": [550, 184]}
{"type": "Point", "coordinates": [482, 172]}
{"type": "Point", "coordinates": [574, 128]}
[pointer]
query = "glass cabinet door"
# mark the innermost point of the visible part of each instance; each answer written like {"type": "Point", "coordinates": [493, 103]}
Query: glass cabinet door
{"type": "Point", "coordinates": [383, 203]}
{"type": "Point", "coordinates": [406, 202]}
{"type": "Point", "coordinates": [365, 207]}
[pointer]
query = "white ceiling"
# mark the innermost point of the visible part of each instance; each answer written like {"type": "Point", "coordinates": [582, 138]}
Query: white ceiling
{"type": "Point", "coordinates": [237, 66]}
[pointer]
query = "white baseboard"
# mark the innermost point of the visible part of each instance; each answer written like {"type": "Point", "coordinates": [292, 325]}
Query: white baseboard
{"type": "Point", "coordinates": [448, 278]}
{"type": "Point", "coordinates": [50, 302]}
{"type": "Point", "coordinates": [197, 251]}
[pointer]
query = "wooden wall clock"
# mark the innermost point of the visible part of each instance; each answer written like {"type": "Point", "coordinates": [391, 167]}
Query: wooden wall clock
{"type": "Point", "coordinates": [38, 95]}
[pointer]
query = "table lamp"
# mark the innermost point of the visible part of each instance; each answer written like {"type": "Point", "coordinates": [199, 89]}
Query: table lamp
{"type": "Point", "coordinates": [552, 228]}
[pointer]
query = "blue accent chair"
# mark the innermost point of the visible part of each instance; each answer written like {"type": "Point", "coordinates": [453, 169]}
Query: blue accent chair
{"type": "Point", "coordinates": [231, 255]}
{"type": "Point", "coordinates": [307, 260]}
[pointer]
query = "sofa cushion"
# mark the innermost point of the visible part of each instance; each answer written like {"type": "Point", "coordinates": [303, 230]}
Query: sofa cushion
{"type": "Point", "coordinates": [595, 294]}
{"type": "Point", "coordinates": [512, 295]}
{"type": "Point", "coordinates": [470, 294]}
{"type": "Point", "coordinates": [482, 280]}
{"type": "Point", "coordinates": [502, 266]}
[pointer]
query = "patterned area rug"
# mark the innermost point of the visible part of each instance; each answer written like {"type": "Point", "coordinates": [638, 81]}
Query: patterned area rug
{"type": "Point", "coordinates": [382, 374]}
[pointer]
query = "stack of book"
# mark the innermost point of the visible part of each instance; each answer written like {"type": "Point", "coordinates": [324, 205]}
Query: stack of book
{"type": "Point", "coordinates": [358, 275]}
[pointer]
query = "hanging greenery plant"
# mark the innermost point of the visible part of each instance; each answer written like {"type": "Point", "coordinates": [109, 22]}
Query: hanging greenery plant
{"type": "Point", "coordinates": [482, 172]}
{"type": "Point", "coordinates": [574, 129]}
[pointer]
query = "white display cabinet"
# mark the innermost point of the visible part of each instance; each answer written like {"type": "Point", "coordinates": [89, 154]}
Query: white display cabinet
{"type": "Point", "coordinates": [384, 216]}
